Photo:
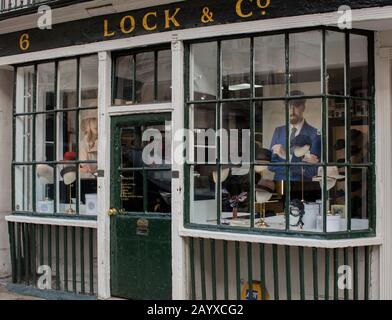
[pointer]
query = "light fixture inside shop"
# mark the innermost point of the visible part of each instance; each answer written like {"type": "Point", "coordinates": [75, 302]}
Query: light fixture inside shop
{"type": "Point", "coordinates": [242, 86]}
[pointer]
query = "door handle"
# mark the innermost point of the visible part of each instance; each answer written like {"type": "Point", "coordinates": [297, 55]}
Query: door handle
{"type": "Point", "coordinates": [112, 212]}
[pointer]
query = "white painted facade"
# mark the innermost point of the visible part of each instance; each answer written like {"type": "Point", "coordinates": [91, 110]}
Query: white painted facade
{"type": "Point", "coordinates": [378, 19]}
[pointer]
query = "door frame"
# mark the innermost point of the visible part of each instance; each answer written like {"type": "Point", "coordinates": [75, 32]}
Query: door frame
{"type": "Point", "coordinates": [116, 123]}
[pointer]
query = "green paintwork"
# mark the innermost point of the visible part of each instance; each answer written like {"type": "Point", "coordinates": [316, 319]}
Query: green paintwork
{"type": "Point", "coordinates": [140, 263]}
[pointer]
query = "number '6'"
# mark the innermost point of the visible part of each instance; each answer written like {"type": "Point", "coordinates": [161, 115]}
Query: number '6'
{"type": "Point", "coordinates": [24, 42]}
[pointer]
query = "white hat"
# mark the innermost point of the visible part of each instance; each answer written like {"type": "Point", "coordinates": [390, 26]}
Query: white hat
{"type": "Point", "coordinates": [224, 175]}
{"type": "Point", "coordinates": [69, 175]}
{"type": "Point", "coordinates": [332, 172]}
{"type": "Point", "coordinates": [45, 173]}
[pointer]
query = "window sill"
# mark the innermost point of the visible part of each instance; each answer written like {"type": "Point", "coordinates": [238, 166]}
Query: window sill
{"type": "Point", "coordinates": [280, 240]}
{"type": "Point", "coordinates": [67, 222]}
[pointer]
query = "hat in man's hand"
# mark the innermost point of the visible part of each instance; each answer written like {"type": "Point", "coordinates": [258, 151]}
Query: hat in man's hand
{"type": "Point", "coordinates": [300, 145]}
{"type": "Point", "coordinates": [263, 155]}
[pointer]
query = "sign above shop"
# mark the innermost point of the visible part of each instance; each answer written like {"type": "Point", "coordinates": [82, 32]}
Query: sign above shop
{"type": "Point", "coordinates": [175, 16]}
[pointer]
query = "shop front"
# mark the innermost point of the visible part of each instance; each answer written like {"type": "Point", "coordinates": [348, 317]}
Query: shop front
{"type": "Point", "coordinates": [231, 150]}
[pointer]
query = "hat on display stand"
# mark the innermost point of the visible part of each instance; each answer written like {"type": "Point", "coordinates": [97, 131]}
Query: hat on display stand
{"type": "Point", "coordinates": [332, 176]}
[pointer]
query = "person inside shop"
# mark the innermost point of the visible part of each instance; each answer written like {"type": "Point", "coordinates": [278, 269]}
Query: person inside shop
{"type": "Point", "coordinates": [303, 136]}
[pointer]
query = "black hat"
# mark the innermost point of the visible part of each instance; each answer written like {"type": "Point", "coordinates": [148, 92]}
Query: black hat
{"type": "Point", "coordinates": [301, 140]}
{"type": "Point", "coordinates": [297, 93]}
{"type": "Point", "coordinates": [355, 149]}
{"type": "Point", "coordinates": [356, 135]}
{"type": "Point", "coordinates": [340, 144]}
{"type": "Point", "coordinates": [263, 154]}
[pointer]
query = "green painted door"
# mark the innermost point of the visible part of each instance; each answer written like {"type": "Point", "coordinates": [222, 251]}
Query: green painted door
{"type": "Point", "coordinates": [141, 208]}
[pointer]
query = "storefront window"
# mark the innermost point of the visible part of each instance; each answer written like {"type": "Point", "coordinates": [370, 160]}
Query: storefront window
{"type": "Point", "coordinates": [56, 138]}
{"type": "Point", "coordinates": [285, 147]}
{"type": "Point", "coordinates": [142, 77]}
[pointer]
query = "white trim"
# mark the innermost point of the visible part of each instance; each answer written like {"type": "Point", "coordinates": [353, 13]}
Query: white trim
{"type": "Point", "coordinates": [179, 258]}
{"type": "Point", "coordinates": [140, 108]}
{"type": "Point", "coordinates": [359, 16]}
{"type": "Point", "coordinates": [384, 166]}
{"type": "Point", "coordinates": [282, 241]}
{"type": "Point", "coordinates": [103, 241]}
{"type": "Point", "coordinates": [53, 221]}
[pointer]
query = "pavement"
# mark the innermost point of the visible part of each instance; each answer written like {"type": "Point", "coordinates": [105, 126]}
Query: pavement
{"type": "Point", "coordinates": [5, 294]}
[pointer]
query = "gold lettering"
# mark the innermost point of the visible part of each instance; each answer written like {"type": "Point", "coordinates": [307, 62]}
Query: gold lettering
{"type": "Point", "coordinates": [131, 27]}
{"type": "Point", "coordinates": [24, 42]}
{"type": "Point", "coordinates": [263, 6]}
{"type": "Point", "coordinates": [145, 21]}
{"type": "Point", "coordinates": [240, 13]}
{"type": "Point", "coordinates": [106, 32]}
{"type": "Point", "coordinates": [171, 18]}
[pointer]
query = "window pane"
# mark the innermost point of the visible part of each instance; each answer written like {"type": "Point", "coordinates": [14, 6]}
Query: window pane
{"type": "Point", "coordinates": [88, 139]}
{"type": "Point", "coordinates": [305, 133]}
{"type": "Point", "coordinates": [132, 191]}
{"type": "Point", "coordinates": [337, 130]}
{"type": "Point", "coordinates": [203, 204]}
{"type": "Point", "coordinates": [23, 188]}
{"type": "Point", "coordinates": [305, 198]}
{"type": "Point", "coordinates": [44, 137]}
{"type": "Point", "coordinates": [337, 199]}
{"type": "Point", "coordinates": [45, 88]}
{"type": "Point", "coordinates": [164, 75]}
{"type": "Point", "coordinates": [269, 199]}
{"type": "Point", "coordinates": [145, 69]}
{"type": "Point", "coordinates": [67, 188]}
{"type": "Point", "coordinates": [88, 190]}
{"type": "Point", "coordinates": [270, 130]}
{"type": "Point", "coordinates": [203, 122]}
{"type": "Point", "coordinates": [270, 66]}
{"type": "Point", "coordinates": [124, 69]}
{"type": "Point", "coordinates": [335, 48]}
{"type": "Point", "coordinates": [24, 89]}
{"type": "Point", "coordinates": [235, 147]}
{"type": "Point", "coordinates": [359, 72]}
{"type": "Point", "coordinates": [89, 81]}
{"type": "Point", "coordinates": [236, 68]}
{"type": "Point", "coordinates": [24, 139]}
{"type": "Point", "coordinates": [67, 84]}
{"type": "Point", "coordinates": [360, 198]}
{"type": "Point", "coordinates": [235, 196]}
{"type": "Point", "coordinates": [159, 191]}
{"type": "Point", "coordinates": [305, 63]}
{"type": "Point", "coordinates": [45, 189]}
{"type": "Point", "coordinates": [204, 72]}
{"type": "Point", "coordinates": [66, 136]}
{"type": "Point", "coordinates": [360, 132]}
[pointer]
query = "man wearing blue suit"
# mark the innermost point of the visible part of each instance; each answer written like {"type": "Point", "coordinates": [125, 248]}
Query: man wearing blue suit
{"type": "Point", "coordinates": [298, 125]}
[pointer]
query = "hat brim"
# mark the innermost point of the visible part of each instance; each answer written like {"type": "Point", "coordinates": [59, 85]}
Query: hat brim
{"type": "Point", "coordinates": [300, 151]}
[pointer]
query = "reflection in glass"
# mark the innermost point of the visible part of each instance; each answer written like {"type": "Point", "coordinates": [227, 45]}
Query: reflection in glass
{"type": "Point", "coordinates": [45, 189]}
{"type": "Point", "coordinates": [145, 69]}
{"type": "Point", "coordinates": [360, 198]}
{"type": "Point", "coordinates": [66, 136]}
{"type": "Point", "coordinates": [236, 121]}
{"type": "Point", "coordinates": [269, 117]}
{"type": "Point", "coordinates": [159, 191]}
{"type": "Point", "coordinates": [203, 123]}
{"type": "Point", "coordinates": [45, 87]}
{"type": "Point", "coordinates": [360, 132]}
{"type": "Point", "coordinates": [88, 141]}
{"type": "Point", "coordinates": [335, 47]}
{"type": "Point", "coordinates": [24, 89]}
{"type": "Point", "coordinates": [236, 68]}
{"type": "Point", "coordinates": [23, 188]}
{"type": "Point", "coordinates": [270, 66]}
{"type": "Point", "coordinates": [203, 206]}
{"type": "Point", "coordinates": [336, 130]}
{"type": "Point", "coordinates": [123, 93]}
{"type": "Point", "coordinates": [67, 84]}
{"type": "Point", "coordinates": [305, 62]}
{"type": "Point", "coordinates": [89, 81]}
{"type": "Point", "coordinates": [164, 75]}
{"type": "Point", "coordinates": [203, 79]}
{"type": "Point", "coordinates": [359, 66]}
{"type": "Point", "coordinates": [44, 137]}
{"type": "Point", "coordinates": [24, 139]}
{"type": "Point", "coordinates": [269, 200]}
